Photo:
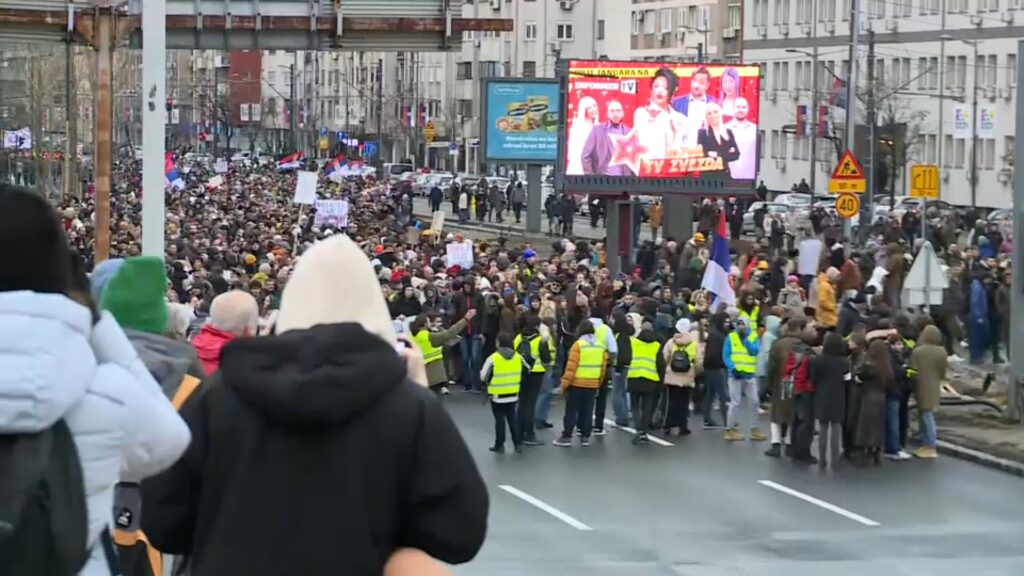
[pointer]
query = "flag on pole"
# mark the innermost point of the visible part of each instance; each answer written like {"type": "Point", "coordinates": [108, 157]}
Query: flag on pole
{"type": "Point", "coordinates": [716, 274]}
{"type": "Point", "coordinates": [335, 165]}
{"type": "Point", "coordinates": [172, 176]}
{"type": "Point", "coordinates": [290, 162]}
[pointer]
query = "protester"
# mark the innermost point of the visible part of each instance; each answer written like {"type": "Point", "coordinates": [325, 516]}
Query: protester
{"type": "Point", "coordinates": [333, 374]}
{"type": "Point", "coordinates": [233, 315]}
{"type": "Point", "coordinates": [584, 374]}
{"type": "Point", "coordinates": [69, 371]}
{"type": "Point", "coordinates": [929, 363]}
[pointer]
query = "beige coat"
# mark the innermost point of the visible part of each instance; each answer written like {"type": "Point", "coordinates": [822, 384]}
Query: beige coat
{"type": "Point", "coordinates": [684, 379]}
{"type": "Point", "coordinates": [930, 362]}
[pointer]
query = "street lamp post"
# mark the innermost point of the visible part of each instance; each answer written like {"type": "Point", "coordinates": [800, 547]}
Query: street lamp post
{"type": "Point", "coordinates": [974, 133]}
{"type": "Point", "coordinates": [814, 109]}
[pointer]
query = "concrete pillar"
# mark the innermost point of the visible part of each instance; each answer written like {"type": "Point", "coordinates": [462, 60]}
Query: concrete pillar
{"type": "Point", "coordinates": [154, 119]}
{"type": "Point", "coordinates": [619, 249]}
{"type": "Point", "coordinates": [533, 198]}
{"type": "Point", "coordinates": [678, 217]}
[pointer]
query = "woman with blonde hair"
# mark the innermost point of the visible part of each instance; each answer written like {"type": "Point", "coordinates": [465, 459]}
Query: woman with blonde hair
{"type": "Point", "coordinates": [584, 122]}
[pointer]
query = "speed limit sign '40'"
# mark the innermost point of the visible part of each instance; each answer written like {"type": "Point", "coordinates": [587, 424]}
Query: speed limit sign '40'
{"type": "Point", "coordinates": [847, 205]}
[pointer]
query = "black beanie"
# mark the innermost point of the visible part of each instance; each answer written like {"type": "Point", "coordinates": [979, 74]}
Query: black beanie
{"type": "Point", "coordinates": [38, 258]}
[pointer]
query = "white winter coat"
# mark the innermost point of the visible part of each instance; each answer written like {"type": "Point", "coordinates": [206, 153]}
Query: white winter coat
{"type": "Point", "coordinates": [55, 364]}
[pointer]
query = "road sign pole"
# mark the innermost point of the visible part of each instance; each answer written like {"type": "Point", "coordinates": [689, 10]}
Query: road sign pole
{"type": "Point", "coordinates": [1017, 285]}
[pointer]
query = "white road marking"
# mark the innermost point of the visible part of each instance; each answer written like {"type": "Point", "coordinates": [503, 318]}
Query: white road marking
{"type": "Point", "coordinates": [820, 503]}
{"type": "Point", "coordinates": [652, 437]}
{"type": "Point", "coordinates": [545, 507]}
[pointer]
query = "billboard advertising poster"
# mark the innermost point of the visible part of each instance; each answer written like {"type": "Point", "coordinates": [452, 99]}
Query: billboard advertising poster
{"type": "Point", "coordinates": [660, 127]}
{"type": "Point", "coordinates": [520, 120]}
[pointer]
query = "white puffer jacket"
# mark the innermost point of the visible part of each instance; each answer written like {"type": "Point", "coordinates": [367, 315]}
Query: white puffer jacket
{"type": "Point", "coordinates": [55, 364]}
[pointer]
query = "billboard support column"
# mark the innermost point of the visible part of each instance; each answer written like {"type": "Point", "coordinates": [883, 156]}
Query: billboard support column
{"type": "Point", "coordinates": [533, 199]}
{"type": "Point", "coordinates": [619, 225]}
{"type": "Point", "coordinates": [678, 218]}
{"type": "Point", "coordinates": [613, 259]}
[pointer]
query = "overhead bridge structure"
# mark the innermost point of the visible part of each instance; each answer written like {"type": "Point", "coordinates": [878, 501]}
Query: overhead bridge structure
{"type": "Point", "coordinates": [159, 25]}
{"type": "Point", "coordinates": [408, 25]}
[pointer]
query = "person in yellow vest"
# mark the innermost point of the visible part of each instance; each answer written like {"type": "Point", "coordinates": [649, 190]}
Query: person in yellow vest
{"type": "Point", "coordinates": [503, 372]}
{"type": "Point", "coordinates": [584, 373]}
{"type": "Point", "coordinates": [750, 311]}
{"type": "Point", "coordinates": [605, 338]}
{"type": "Point", "coordinates": [681, 375]}
{"type": "Point", "coordinates": [740, 357]}
{"type": "Point", "coordinates": [538, 353]}
{"type": "Point", "coordinates": [643, 381]}
{"type": "Point", "coordinates": [432, 343]}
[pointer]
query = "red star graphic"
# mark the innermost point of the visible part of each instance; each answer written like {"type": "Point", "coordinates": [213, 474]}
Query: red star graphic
{"type": "Point", "coordinates": [628, 150]}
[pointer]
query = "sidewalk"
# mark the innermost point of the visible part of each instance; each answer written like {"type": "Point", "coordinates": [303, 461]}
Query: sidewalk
{"type": "Point", "coordinates": [975, 432]}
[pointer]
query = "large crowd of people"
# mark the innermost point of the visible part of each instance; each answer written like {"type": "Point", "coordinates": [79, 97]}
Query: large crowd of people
{"type": "Point", "coordinates": [259, 309]}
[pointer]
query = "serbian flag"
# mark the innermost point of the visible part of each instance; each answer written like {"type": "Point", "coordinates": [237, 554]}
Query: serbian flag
{"type": "Point", "coordinates": [290, 162]}
{"type": "Point", "coordinates": [716, 274]}
{"type": "Point", "coordinates": [335, 165]}
{"type": "Point", "coordinates": [172, 177]}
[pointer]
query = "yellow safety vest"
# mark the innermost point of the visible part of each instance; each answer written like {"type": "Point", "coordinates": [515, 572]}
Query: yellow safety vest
{"type": "Point", "coordinates": [601, 336]}
{"type": "Point", "coordinates": [538, 367]}
{"type": "Point", "coordinates": [506, 375]}
{"type": "Point", "coordinates": [752, 317]}
{"type": "Point", "coordinates": [645, 360]}
{"type": "Point", "coordinates": [430, 352]}
{"type": "Point", "coordinates": [742, 361]}
{"type": "Point", "coordinates": [591, 361]}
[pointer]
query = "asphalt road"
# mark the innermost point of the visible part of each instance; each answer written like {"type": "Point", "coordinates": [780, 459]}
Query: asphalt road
{"type": "Point", "coordinates": [699, 506]}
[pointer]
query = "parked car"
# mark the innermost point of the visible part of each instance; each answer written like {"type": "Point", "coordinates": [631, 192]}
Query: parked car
{"type": "Point", "coordinates": [906, 203]}
{"type": "Point", "coordinates": [787, 210]}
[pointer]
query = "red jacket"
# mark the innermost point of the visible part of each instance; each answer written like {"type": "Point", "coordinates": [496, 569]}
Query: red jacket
{"type": "Point", "coordinates": [208, 344]}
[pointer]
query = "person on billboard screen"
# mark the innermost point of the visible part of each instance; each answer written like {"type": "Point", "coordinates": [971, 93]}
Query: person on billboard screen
{"type": "Point", "coordinates": [599, 148]}
{"type": "Point", "coordinates": [693, 104]}
{"type": "Point", "coordinates": [582, 125]}
{"type": "Point", "coordinates": [659, 128]}
{"type": "Point", "coordinates": [731, 92]}
{"type": "Point", "coordinates": [745, 132]}
{"type": "Point", "coordinates": [717, 140]}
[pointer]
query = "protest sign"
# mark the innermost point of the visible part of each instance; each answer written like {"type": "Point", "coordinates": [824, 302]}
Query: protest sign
{"type": "Point", "coordinates": [460, 253]}
{"type": "Point", "coordinates": [332, 213]}
{"type": "Point", "coordinates": [305, 188]}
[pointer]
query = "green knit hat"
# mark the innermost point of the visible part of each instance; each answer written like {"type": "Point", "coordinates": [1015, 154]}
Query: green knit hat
{"type": "Point", "coordinates": [136, 295]}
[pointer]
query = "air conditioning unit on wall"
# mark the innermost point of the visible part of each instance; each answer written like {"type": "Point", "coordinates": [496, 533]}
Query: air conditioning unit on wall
{"type": "Point", "coordinates": [567, 4]}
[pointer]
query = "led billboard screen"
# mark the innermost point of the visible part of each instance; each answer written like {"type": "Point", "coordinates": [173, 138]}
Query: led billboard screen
{"type": "Point", "coordinates": [660, 127]}
{"type": "Point", "coordinates": [520, 120]}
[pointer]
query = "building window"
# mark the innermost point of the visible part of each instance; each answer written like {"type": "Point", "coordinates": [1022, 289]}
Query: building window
{"type": "Point", "coordinates": [465, 108]}
{"type": "Point", "coordinates": [782, 11]}
{"type": "Point", "coordinates": [735, 20]}
{"type": "Point", "coordinates": [490, 69]}
{"type": "Point", "coordinates": [960, 152]}
{"type": "Point", "coordinates": [947, 157]}
{"type": "Point", "coordinates": [600, 29]}
{"type": "Point", "coordinates": [635, 29]}
{"type": "Point", "coordinates": [760, 12]}
{"type": "Point", "coordinates": [1011, 70]}
{"type": "Point", "coordinates": [826, 10]}
{"type": "Point", "coordinates": [564, 32]}
{"type": "Point", "coordinates": [464, 71]}
{"type": "Point", "coordinates": [784, 72]}
{"type": "Point", "coordinates": [991, 78]}
{"type": "Point", "coordinates": [846, 10]}
{"type": "Point", "coordinates": [930, 143]}
{"type": "Point", "coordinates": [990, 154]}
{"type": "Point", "coordinates": [530, 31]}
{"type": "Point", "coordinates": [775, 144]}
{"type": "Point", "coordinates": [665, 16]}
{"type": "Point", "coordinates": [760, 144]}
{"type": "Point", "coordinates": [1009, 149]}
{"type": "Point", "coordinates": [271, 77]}
{"type": "Point", "coordinates": [529, 69]}
{"type": "Point", "coordinates": [648, 21]}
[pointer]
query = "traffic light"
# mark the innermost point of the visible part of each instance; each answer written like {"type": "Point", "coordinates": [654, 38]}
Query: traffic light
{"type": "Point", "coordinates": [170, 104]}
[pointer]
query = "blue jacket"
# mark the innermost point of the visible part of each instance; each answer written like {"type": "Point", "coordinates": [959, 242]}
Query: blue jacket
{"type": "Point", "coordinates": [978, 311]}
{"type": "Point", "coordinates": [752, 348]}
{"type": "Point", "coordinates": [55, 364]}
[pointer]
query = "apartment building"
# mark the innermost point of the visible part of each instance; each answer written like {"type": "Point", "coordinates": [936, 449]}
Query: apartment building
{"type": "Point", "coordinates": [681, 30]}
{"type": "Point", "coordinates": [933, 60]}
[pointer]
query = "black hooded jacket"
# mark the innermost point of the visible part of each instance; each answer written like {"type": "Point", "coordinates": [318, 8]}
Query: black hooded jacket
{"type": "Point", "coordinates": [312, 453]}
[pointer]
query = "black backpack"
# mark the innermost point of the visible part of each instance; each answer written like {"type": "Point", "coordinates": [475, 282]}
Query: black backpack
{"type": "Point", "coordinates": [680, 361]}
{"type": "Point", "coordinates": [43, 515]}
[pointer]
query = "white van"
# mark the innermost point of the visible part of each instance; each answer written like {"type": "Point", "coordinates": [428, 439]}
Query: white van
{"type": "Point", "coordinates": [394, 170]}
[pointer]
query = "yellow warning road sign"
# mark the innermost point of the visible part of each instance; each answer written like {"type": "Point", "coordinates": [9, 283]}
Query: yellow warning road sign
{"type": "Point", "coordinates": [847, 205]}
{"type": "Point", "coordinates": [848, 176]}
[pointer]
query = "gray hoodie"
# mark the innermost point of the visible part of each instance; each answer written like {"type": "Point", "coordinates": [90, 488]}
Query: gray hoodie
{"type": "Point", "coordinates": [166, 359]}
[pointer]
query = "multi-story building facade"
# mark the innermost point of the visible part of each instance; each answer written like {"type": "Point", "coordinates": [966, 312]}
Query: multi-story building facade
{"type": "Point", "coordinates": [688, 30]}
{"type": "Point", "coordinates": [933, 60]}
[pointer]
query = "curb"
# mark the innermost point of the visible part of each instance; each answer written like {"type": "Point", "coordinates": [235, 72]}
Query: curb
{"type": "Point", "coordinates": [981, 458]}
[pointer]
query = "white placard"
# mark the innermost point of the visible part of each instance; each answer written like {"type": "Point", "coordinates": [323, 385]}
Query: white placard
{"type": "Point", "coordinates": [460, 253]}
{"type": "Point", "coordinates": [437, 222]}
{"type": "Point", "coordinates": [333, 213]}
{"type": "Point", "coordinates": [305, 188]}
{"type": "Point", "coordinates": [220, 166]}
